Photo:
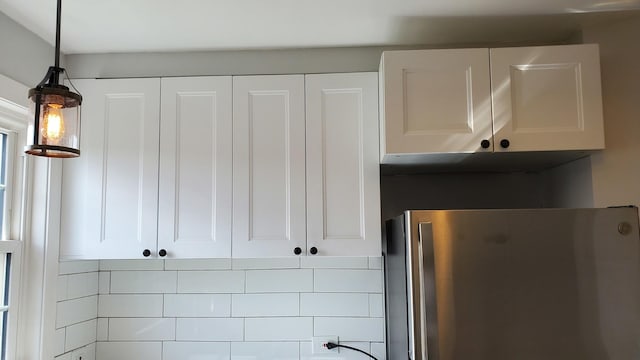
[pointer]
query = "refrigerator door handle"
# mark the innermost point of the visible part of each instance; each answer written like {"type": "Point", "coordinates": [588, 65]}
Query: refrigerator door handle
{"type": "Point", "coordinates": [428, 321]}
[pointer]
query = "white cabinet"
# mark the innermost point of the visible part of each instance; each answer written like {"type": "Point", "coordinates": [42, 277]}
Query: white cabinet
{"type": "Point", "coordinates": [194, 210]}
{"type": "Point", "coordinates": [458, 101]}
{"type": "Point", "coordinates": [434, 101]}
{"type": "Point", "coordinates": [547, 98]}
{"type": "Point", "coordinates": [343, 180]}
{"type": "Point", "coordinates": [268, 165]}
{"type": "Point", "coordinates": [110, 193]}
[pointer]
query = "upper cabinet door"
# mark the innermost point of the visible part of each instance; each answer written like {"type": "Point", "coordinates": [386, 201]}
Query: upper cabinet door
{"type": "Point", "coordinates": [434, 101]}
{"type": "Point", "coordinates": [194, 214]}
{"type": "Point", "coordinates": [268, 165]}
{"type": "Point", "coordinates": [343, 172]}
{"type": "Point", "coordinates": [547, 98]}
{"type": "Point", "coordinates": [109, 200]}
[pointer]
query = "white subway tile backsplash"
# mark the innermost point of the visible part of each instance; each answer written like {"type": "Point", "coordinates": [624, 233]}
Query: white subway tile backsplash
{"type": "Point", "coordinates": [379, 350]}
{"type": "Point", "coordinates": [85, 353]}
{"type": "Point", "coordinates": [306, 352]}
{"type": "Point", "coordinates": [278, 329]}
{"type": "Point", "coordinates": [296, 280]}
{"type": "Point", "coordinates": [75, 267]}
{"type": "Point", "coordinates": [59, 341]}
{"type": "Point", "coordinates": [81, 285]}
{"type": "Point", "coordinates": [61, 287]}
{"type": "Point", "coordinates": [143, 282]}
{"type": "Point", "coordinates": [266, 263]}
{"type": "Point", "coordinates": [80, 335]}
{"type": "Point", "coordinates": [350, 329]}
{"type": "Point", "coordinates": [128, 350]}
{"type": "Point", "coordinates": [66, 356]}
{"type": "Point", "coordinates": [334, 262]}
{"type": "Point", "coordinates": [334, 280]}
{"type": "Point", "coordinates": [265, 350]}
{"type": "Point", "coordinates": [197, 264]}
{"type": "Point", "coordinates": [197, 305]}
{"type": "Point", "coordinates": [142, 329]}
{"type": "Point", "coordinates": [376, 305]}
{"type": "Point", "coordinates": [141, 264]}
{"type": "Point", "coordinates": [130, 305]}
{"type": "Point", "coordinates": [375, 262]}
{"type": "Point", "coordinates": [104, 282]}
{"type": "Point", "coordinates": [77, 310]}
{"type": "Point", "coordinates": [210, 281]}
{"type": "Point", "coordinates": [172, 350]}
{"type": "Point", "coordinates": [209, 329]}
{"type": "Point", "coordinates": [334, 304]}
{"type": "Point", "coordinates": [102, 329]}
{"type": "Point", "coordinates": [247, 305]}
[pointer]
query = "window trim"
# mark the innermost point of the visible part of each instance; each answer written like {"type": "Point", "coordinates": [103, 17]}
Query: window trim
{"type": "Point", "coordinates": [13, 247]}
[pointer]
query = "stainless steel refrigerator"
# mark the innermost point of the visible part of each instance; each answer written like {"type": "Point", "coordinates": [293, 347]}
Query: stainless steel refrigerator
{"type": "Point", "coordinates": [543, 284]}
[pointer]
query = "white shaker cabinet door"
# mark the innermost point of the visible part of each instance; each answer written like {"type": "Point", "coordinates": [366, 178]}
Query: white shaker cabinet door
{"type": "Point", "coordinates": [194, 214]}
{"type": "Point", "coordinates": [109, 199]}
{"type": "Point", "coordinates": [268, 166]}
{"type": "Point", "coordinates": [343, 172]}
{"type": "Point", "coordinates": [434, 101]}
{"type": "Point", "coordinates": [547, 98]}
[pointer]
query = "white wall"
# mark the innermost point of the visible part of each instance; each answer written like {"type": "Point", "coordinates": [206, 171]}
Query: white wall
{"type": "Point", "coordinates": [616, 170]}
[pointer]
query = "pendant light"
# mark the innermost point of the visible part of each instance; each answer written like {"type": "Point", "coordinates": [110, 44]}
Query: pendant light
{"type": "Point", "coordinates": [54, 124]}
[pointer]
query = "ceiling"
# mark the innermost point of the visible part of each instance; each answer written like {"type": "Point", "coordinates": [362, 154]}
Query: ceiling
{"type": "Point", "coordinates": [101, 26]}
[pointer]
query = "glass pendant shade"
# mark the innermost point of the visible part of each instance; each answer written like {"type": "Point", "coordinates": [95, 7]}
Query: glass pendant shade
{"type": "Point", "coordinates": [54, 128]}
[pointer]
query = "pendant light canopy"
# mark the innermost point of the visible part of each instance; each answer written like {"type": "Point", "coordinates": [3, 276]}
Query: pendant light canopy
{"type": "Point", "coordinates": [54, 126]}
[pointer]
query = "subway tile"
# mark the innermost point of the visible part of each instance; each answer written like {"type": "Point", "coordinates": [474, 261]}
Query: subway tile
{"type": "Point", "coordinates": [128, 350]}
{"type": "Point", "coordinates": [334, 262]}
{"type": "Point", "coordinates": [142, 329]}
{"type": "Point", "coordinates": [297, 280]}
{"type": "Point", "coordinates": [379, 350]}
{"type": "Point", "coordinates": [77, 310]}
{"type": "Point", "coordinates": [376, 305]}
{"type": "Point", "coordinates": [209, 329]}
{"type": "Point", "coordinates": [130, 305]}
{"type": "Point", "coordinates": [375, 262]}
{"type": "Point", "coordinates": [141, 282]}
{"type": "Point", "coordinates": [81, 285]}
{"type": "Point", "coordinates": [59, 341]}
{"type": "Point", "coordinates": [332, 304]}
{"type": "Point", "coordinates": [136, 264]}
{"type": "Point", "coordinates": [102, 329]}
{"type": "Point", "coordinates": [104, 282]}
{"type": "Point", "coordinates": [278, 329]}
{"type": "Point", "coordinates": [75, 267]}
{"type": "Point", "coordinates": [177, 350]}
{"type": "Point", "coordinates": [350, 329]}
{"type": "Point", "coordinates": [197, 305]}
{"type": "Point", "coordinates": [306, 352]}
{"type": "Point", "coordinates": [265, 350]}
{"type": "Point", "coordinates": [88, 353]}
{"type": "Point", "coordinates": [61, 287]}
{"type": "Point", "coordinates": [335, 280]}
{"type": "Point", "coordinates": [210, 281]}
{"type": "Point", "coordinates": [266, 263]}
{"type": "Point", "coordinates": [80, 335]}
{"type": "Point", "coordinates": [66, 356]}
{"type": "Point", "coordinates": [245, 305]}
{"type": "Point", "coordinates": [197, 264]}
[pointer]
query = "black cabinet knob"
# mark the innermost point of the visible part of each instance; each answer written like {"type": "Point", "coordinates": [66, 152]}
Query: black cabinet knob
{"type": "Point", "coordinates": [162, 252]}
{"type": "Point", "coordinates": [146, 253]}
{"type": "Point", "coordinates": [297, 251]}
{"type": "Point", "coordinates": [313, 250]}
{"type": "Point", "coordinates": [504, 143]}
{"type": "Point", "coordinates": [485, 144]}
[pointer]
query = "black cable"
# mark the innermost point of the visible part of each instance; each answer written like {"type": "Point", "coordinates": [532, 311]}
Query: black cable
{"type": "Point", "coordinates": [331, 345]}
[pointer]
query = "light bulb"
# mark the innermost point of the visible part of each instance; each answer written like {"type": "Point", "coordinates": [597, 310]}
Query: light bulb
{"type": "Point", "coordinates": [52, 127]}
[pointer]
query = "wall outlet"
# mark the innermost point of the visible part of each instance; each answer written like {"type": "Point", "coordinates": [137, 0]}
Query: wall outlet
{"type": "Point", "coordinates": [319, 341]}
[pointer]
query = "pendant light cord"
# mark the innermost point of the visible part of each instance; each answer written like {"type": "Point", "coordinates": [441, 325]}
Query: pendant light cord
{"type": "Point", "coordinates": [58, 17]}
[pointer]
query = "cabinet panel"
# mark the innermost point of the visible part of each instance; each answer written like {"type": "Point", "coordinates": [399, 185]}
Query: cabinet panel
{"type": "Point", "coordinates": [268, 165]}
{"type": "Point", "coordinates": [547, 98]}
{"type": "Point", "coordinates": [343, 180]}
{"type": "Point", "coordinates": [435, 101]}
{"type": "Point", "coordinates": [195, 167]}
{"type": "Point", "coordinates": [117, 173]}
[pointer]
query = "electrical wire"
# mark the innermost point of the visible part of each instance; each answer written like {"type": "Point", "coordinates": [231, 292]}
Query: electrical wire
{"type": "Point", "coordinates": [331, 345]}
